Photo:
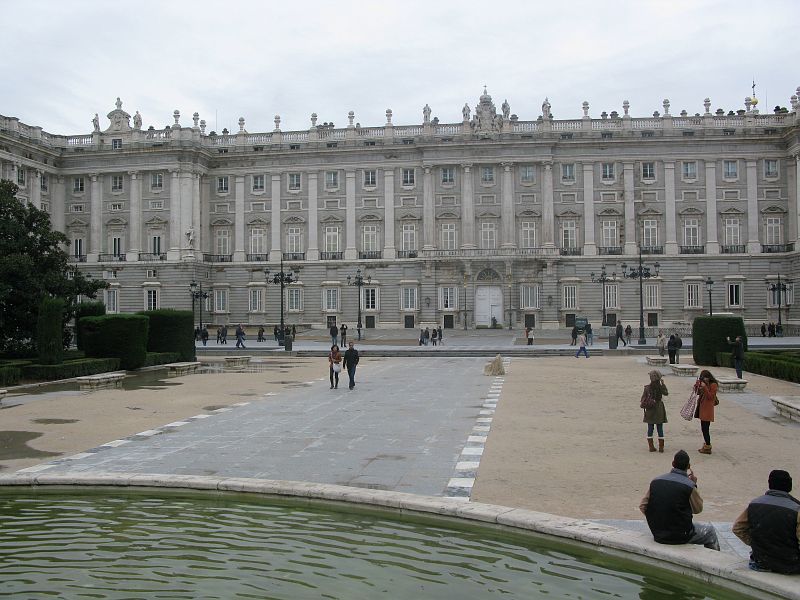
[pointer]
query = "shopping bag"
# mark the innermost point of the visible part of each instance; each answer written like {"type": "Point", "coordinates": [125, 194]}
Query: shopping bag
{"type": "Point", "coordinates": [689, 408]}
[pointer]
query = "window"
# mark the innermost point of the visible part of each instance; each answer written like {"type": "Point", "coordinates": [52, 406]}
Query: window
{"type": "Point", "coordinates": [294, 297]}
{"type": "Point", "coordinates": [693, 297]}
{"type": "Point", "coordinates": [331, 299]}
{"type": "Point", "coordinates": [608, 171]}
{"type": "Point", "coordinates": [155, 244]}
{"type": "Point", "coordinates": [331, 180]}
{"type": "Point", "coordinates": [447, 298]}
{"type": "Point", "coordinates": [294, 181]}
{"type": "Point", "coordinates": [156, 181]}
{"type": "Point", "coordinates": [773, 233]}
{"type": "Point", "coordinates": [528, 231]}
{"type": "Point", "coordinates": [408, 176]}
{"type": "Point", "coordinates": [116, 246]}
{"type": "Point", "coordinates": [526, 174]}
{"type": "Point", "coordinates": [116, 183]}
{"type": "Point", "coordinates": [691, 232]}
{"type": "Point", "coordinates": [222, 185]}
{"type": "Point", "coordinates": [221, 300]}
{"type": "Point", "coordinates": [487, 175]}
{"type": "Point", "coordinates": [370, 298]}
{"type": "Point", "coordinates": [77, 247]}
{"type": "Point", "coordinates": [488, 236]}
{"type": "Point", "coordinates": [731, 225]}
{"type": "Point", "coordinates": [43, 183]}
{"type": "Point", "coordinates": [448, 176]}
{"type": "Point", "coordinates": [115, 206]}
{"type": "Point", "coordinates": [151, 300]}
{"type": "Point", "coordinates": [111, 300]}
{"type": "Point", "coordinates": [730, 169]}
{"type": "Point", "coordinates": [409, 236]}
{"type": "Point", "coordinates": [609, 232]}
{"type": "Point", "coordinates": [648, 170]}
{"type": "Point", "coordinates": [21, 177]}
{"type": "Point", "coordinates": [734, 298]}
{"type": "Point", "coordinates": [569, 234]}
{"type": "Point", "coordinates": [689, 170]}
{"type": "Point", "coordinates": [649, 233]}
{"type": "Point", "coordinates": [77, 208]}
{"type": "Point", "coordinates": [116, 144]}
{"type": "Point", "coordinates": [256, 296]}
{"type": "Point", "coordinates": [258, 241]}
{"type": "Point", "coordinates": [370, 178]}
{"type": "Point", "coordinates": [151, 274]}
{"type": "Point", "coordinates": [258, 183]}
{"type": "Point", "coordinates": [331, 239]}
{"type": "Point", "coordinates": [652, 298]}
{"type": "Point", "coordinates": [77, 184]}
{"type": "Point", "coordinates": [529, 296]}
{"type": "Point", "coordinates": [294, 239]}
{"type": "Point", "coordinates": [448, 236]}
{"type": "Point", "coordinates": [770, 167]}
{"type": "Point", "coordinates": [409, 298]}
{"type": "Point", "coordinates": [569, 296]}
{"type": "Point", "coordinates": [568, 172]}
{"type": "Point", "coordinates": [612, 295]}
{"type": "Point", "coordinates": [222, 241]}
{"type": "Point", "coordinates": [369, 238]}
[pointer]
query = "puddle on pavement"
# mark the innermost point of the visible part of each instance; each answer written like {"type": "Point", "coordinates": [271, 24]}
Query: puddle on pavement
{"type": "Point", "coordinates": [14, 445]}
{"type": "Point", "coordinates": [54, 421]}
{"type": "Point", "coordinates": [214, 407]}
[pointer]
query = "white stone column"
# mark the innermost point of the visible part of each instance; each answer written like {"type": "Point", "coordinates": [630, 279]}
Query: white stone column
{"type": "Point", "coordinates": [199, 232]}
{"type": "Point", "coordinates": [350, 251]}
{"type": "Point", "coordinates": [58, 207]}
{"type": "Point", "coordinates": [712, 242]}
{"type": "Point", "coordinates": [428, 210]}
{"type": "Point", "coordinates": [507, 220]}
{"type": "Point", "coordinates": [239, 252]}
{"type": "Point", "coordinates": [175, 233]}
{"type": "Point", "coordinates": [793, 231]}
{"type": "Point", "coordinates": [670, 224]}
{"type": "Point", "coordinates": [275, 215]}
{"type": "Point", "coordinates": [467, 209]}
{"type": "Point", "coordinates": [389, 249]}
{"type": "Point", "coordinates": [135, 218]}
{"type": "Point", "coordinates": [548, 212]}
{"type": "Point", "coordinates": [753, 216]}
{"type": "Point", "coordinates": [313, 217]}
{"type": "Point", "coordinates": [630, 209]}
{"type": "Point", "coordinates": [36, 188]}
{"type": "Point", "coordinates": [96, 231]}
{"type": "Point", "coordinates": [589, 243]}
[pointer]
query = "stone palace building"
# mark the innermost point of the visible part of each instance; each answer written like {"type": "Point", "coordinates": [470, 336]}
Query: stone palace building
{"type": "Point", "coordinates": [458, 224]}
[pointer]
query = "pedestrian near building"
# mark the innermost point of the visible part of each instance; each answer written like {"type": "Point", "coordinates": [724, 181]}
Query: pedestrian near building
{"type": "Point", "coordinates": [763, 330]}
{"type": "Point", "coordinates": [574, 334]}
{"type": "Point", "coordinates": [219, 335]}
{"type": "Point", "coordinates": [275, 331]}
{"type": "Point", "coordinates": [655, 413]}
{"type": "Point", "coordinates": [261, 334]}
{"type": "Point", "coordinates": [771, 329]}
{"type": "Point", "coordinates": [589, 334]}
{"type": "Point", "coordinates": [335, 365]}
{"type": "Point", "coordinates": [294, 332]}
{"type": "Point", "coordinates": [441, 337]}
{"type": "Point", "coordinates": [224, 334]}
{"type": "Point", "coordinates": [240, 336]}
{"type": "Point", "coordinates": [529, 335]}
{"type": "Point", "coordinates": [427, 335]}
{"type": "Point", "coordinates": [204, 336]}
{"type": "Point", "coordinates": [678, 346]}
{"type": "Point", "coordinates": [672, 347]}
{"type": "Point", "coordinates": [334, 331]}
{"type": "Point", "coordinates": [628, 333]}
{"type": "Point", "coordinates": [434, 336]}
{"type": "Point", "coordinates": [343, 334]}
{"type": "Point", "coordinates": [618, 332]}
{"type": "Point", "coordinates": [582, 345]}
{"type": "Point", "coordinates": [661, 343]}
{"type": "Point", "coordinates": [669, 504]}
{"type": "Point", "coordinates": [706, 388]}
{"type": "Point", "coordinates": [770, 525]}
{"type": "Point", "coordinates": [421, 336]}
{"type": "Point", "coordinates": [350, 362]}
{"type": "Point", "coordinates": [737, 349]}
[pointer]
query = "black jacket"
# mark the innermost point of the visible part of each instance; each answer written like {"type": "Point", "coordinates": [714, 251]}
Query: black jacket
{"type": "Point", "coordinates": [350, 358]}
{"type": "Point", "coordinates": [669, 513]}
{"type": "Point", "coordinates": [773, 531]}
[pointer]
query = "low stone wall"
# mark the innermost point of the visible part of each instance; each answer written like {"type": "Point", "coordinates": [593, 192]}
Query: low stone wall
{"type": "Point", "coordinates": [706, 565]}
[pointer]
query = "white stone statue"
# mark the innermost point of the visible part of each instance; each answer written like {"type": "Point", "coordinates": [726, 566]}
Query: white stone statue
{"type": "Point", "coordinates": [465, 112]}
{"type": "Point", "coordinates": [506, 109]}
{"type": "Point", "coordinates": [137, 120]}
{"type": "Point", "coordinates": [118, 103]}
{"type": "Point", "coordinates": [426, 114]}
{"type": "Point", "coordinates": [190, 237]}
{"type": "Point", "coordinates": [546, 108]}
{"type": "Point", "coordinates": [96, 122]}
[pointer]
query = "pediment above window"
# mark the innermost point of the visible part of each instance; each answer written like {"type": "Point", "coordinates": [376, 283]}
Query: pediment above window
{"type": "Point", "coordinates": [773, 210]}
{"type": "Point", "coordinates": [221, 223]}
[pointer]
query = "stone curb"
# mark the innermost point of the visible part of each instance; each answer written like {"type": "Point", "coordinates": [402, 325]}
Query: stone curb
{"type": "Point", "coordinates": [695, 561]}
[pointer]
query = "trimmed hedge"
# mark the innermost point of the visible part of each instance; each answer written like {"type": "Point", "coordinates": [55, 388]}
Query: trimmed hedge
{"type": "Point", "coordinates": [86, 309]}
{"type": "Point", "coordinates": [171, 331]}
{"type": "Point", "coordinates": [10, 375]}
{"type": "Point", "coordinates": [709, 337]}
{"type": "Point", "coordinates": [767, 364]}
{"type": "Point", "coordinates": [49, 331]}
{"type": "Point", "coordinates": [117, 336]}
{"type": "Point", "coordinates": [161, 358]}
{"type": "Point", "coordinates": [73, 368]}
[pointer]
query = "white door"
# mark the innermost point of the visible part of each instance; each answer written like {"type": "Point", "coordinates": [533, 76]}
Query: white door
{"type": "Point", "coordinates": [488, 304]}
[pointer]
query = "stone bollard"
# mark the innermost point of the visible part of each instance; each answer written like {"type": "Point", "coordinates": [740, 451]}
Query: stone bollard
{"type": "Point", "coordinates": [495, 367]}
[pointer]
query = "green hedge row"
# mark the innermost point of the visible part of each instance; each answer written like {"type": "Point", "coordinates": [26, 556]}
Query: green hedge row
{"type": "Point", "coordinates": [9, 375]}
{"type": "Point", "coordinates": [86, 309]}
{"type": "Point", "coordinates": [161, 358]}
{"type": "Point", "coordinates": [49, 331]}
{"type": "Point", "coordinates": [67, 370]}
{"type": "Point", "coordinates": [117, 336]}
{"type": "Point", "coordinates": [709, 337]}
{"type": "Point", "coordinates": [769, 365]}
{"type": "Point", "coordinates": [171, 331]}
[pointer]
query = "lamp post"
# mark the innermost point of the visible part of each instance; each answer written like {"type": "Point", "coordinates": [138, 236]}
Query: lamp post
{"type": "Point", "coordinates": [282, 279]}
{"type": "Point", "coordinates": [198, 294]}
{"type": "Point", "coordinates": [781, 288]}
{"type": "Point", "coordinates": [359, 281]}
{"type": "Point", "coordinates": [641, 273]}
{"type": "Point", "coordinates": [603, 278]}
{"type": "Point", "coordinates": [710, 286]}
{"type": "Point", "coordinates": [465, 301]}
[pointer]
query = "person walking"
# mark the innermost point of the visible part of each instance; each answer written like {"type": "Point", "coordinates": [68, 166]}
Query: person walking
{"type": "Point", "coordinates": [294, 332]}
{"type": "Point", "coordinates": [343, 334]}
{"type": "Point", "coordinates": [240, 336]}
{"type": "Point", "coordinates": [669, 504]}
{"type": "Point", "coordinates": [738, 354]}
{"type": "Point", "coordinates": [441, 337]}
{"type": "Point", "coordinates": [434, 336]}
{"type": "Point", "coordinates": [421, 336]}
{"type": "Point", "coordinates": [334, 331]}
{"type": "Point", "coordinates": [350, 363]}
{"type": "Point", "coordinates": [204, 335]}
{"type": "Point", "coordinates": [770, 525]}
{"type": "Point", "coordinates": [219, 335]}
{"type": "Point", "coordinates": [619, 334]}
{"type": "Point", "coordinates": [224, 334]}
{"type": "Point", "coordinates": [335, 365]}
{"type": "Point", "coordinates": [672, 346]}
{"type": "Point", "coordinates": [582, 345]}
{"type": "Point", "coordinates": [763, 330]}
{"type": "Point", "coordinates": [529, 335]}
{"type": "Point", "coordinates": [771, 329]}
{"type": "Point", "coordinates": [574, 335]}
{"type": "Point", "coordinates": [655, 413]}
{"type": "Point", "coordinates": [661, 343]}
{"type": "Point", "coordinates": [706, 388]}
{"type": "Point", "coordinates": [628, 333]}
{"type": "Point", "coordinates": [678, 346]}
{"type": "Point", "coordinates": [427, 335]}
{"type": "Point", "coordinates": [261, 334]}
{"type": "Point", "coordinates": [589, 334]}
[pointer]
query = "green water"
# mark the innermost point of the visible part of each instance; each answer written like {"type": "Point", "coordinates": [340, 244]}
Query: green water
{"type": "Point", "coordinates": [138, 545]}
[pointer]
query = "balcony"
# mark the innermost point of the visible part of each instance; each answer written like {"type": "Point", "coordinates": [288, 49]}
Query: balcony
{"type": "Point", "coordinates": [776, 248]}
{"type": "Point", "coordinates": [257, 257]}
{"type": "Point", "coordinates": [407, 254]}
{"type": "Point", "coordinates": [218, 258]}
{"type": "Point", "coordinates": [370, 254]}
{"type": "Point", "coordinates": [294, 256]}
{"type": "Point", "coordinates": [692, 249]}
{"type": "Point", "coordinates": [152, 256]}
{"type": "Point", "coordinates": [571, 251]}
{"type": "Point", "coordinates": [733, 249]}
{"type": "Point", "coordinates": [609, 249]}
{"type": "Point", "coordinates": [111, 258]}
{"type": "Point", "coordinates": [330, 256]}
{"type": "Point", "coordinates": [77, 258]}
{"type": "Point", "coordinates": [652, 249]}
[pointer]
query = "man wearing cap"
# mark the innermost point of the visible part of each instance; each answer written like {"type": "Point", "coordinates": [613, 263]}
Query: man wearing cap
{"type": "Point", "coordinates": [770, 525]}
{"type": "Point", "coordinates": [669, 504]}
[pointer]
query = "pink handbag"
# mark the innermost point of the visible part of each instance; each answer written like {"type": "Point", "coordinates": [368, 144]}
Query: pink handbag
{"type": "Point", "coordinates": [688, 409]}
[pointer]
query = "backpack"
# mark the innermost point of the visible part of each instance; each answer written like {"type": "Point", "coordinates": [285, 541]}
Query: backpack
{"type": "Point", "coordinates": [648, 401]}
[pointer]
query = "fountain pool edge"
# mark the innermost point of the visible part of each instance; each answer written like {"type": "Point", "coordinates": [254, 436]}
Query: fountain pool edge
{"type": "Point", "coordinates": [695, 561]}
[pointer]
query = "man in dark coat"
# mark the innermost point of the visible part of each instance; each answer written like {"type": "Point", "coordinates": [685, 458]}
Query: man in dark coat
{"type": "Point", "coordinates": [771, 527]}
{"type": "Point", "coordinates": [350, 362]}
{"type": "Point", "coordinates": [737, 348]}
{"type": "Point", "coordinates": [620, 335]}
{"type": "Point", "coordinates": [343, 334]}
{"type": "Point", "coordinates": [334, 331]}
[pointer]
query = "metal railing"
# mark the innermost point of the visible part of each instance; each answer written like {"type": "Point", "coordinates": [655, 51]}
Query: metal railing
{"type": "Point", "coordinates": [294, 256]}
{"type": "Point", "coordinates": [218, 258]}
{"type": "Point", "coordinates": [776, 248]}
{"type": "Point", "coordinates": [257, 257]}
{"type": "Point", "coordinates": [733, 249]}
{"type": "Point", "coordinates": [692, 249]}
{"type": "Point", "coordinates": [609, 250]}
{"type": "Point", "coordinates": [330, 256]}
{"type": "Point", "coordinates": [152, 256]}
{"type": "Point", "coordinates": [368, 254]}
{"type": "Point", "coordinates": [111, 258]}
{"type": "Point", "coordinates": [407, 254]}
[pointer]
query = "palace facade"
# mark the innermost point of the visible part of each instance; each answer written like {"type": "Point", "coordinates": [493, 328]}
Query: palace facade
{"type": "Point", "coordinates": [492, 218]}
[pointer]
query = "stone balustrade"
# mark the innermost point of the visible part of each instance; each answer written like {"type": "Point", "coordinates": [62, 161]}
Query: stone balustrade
{"type": "Point", "coordinates": [103, 380]}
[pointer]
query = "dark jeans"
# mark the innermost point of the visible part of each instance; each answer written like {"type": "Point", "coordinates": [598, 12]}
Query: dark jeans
{"type": "Point", "coordinates": [705, 428]}
{"type": "Point", "coordinates": [351, 372]}
{"type": "Point", "coordinates": [582, 349]}
{"type": "Point", "coordinates": [624, 343]}
{"type": "Point", "coordinates": [659, 427]}
{"type": "Point", "coordinates": [671, 357]}
{"type": "Point", "coordinates": [334, 377]}
{"type": "Point", "coordinates": [737, 364]}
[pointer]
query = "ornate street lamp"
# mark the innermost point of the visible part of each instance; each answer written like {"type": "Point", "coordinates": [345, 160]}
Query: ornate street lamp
{"type": "Point", "coordinates": [641, 273]}
{"type": "Point", "coordinates": [781, 288]}
{"type": "Point", "coordinates": [602, 279]}
{"type": "Point", "coordinates": [198, 295]}
{"type": "Point", "coordinates": [710, 286]}
{"type": "Point", "coordinates": [282, 279]}
{"type": "Point", "coordinates": [465, 301]}
{"type": "Point", "coordinates": [359, 281]}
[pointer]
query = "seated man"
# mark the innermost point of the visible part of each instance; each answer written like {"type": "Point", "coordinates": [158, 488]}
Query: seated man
{"type": "Point", "coordinates": [770, 525]}
{"type": "Point", "coordinates": [670, 503]}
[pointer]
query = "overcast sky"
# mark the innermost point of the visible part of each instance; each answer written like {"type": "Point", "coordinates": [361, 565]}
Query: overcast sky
{"type": "Point", "coordinates": [64, 60]}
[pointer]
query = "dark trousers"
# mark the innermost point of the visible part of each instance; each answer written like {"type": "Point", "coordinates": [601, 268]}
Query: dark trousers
{"type": "Point", "coordinates": [737, 364]}
{"type": "Point", "coordinates": [334, 377]}
{"type": "Point", "coordinates": [705, 428]}
{"type": "Point", "coordinates": [671, 356]}
{"type": "Point", "coordinates": [351, 372]}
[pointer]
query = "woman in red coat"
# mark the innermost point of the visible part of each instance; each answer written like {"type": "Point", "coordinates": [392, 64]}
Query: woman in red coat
{"type": "Point", "coordinates": [706, 387]}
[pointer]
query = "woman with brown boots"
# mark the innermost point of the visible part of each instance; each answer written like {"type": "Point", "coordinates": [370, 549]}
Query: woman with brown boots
{"type": "Point", "coordinates": [655, 413]}
{"type": "Point", "coordinates": [706, 387]}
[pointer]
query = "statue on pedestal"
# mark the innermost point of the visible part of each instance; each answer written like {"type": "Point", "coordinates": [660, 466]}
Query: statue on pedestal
{"type": "Point", "coordinates": [190, 237]}
{"type": "Point", "coordinates": [96, 122]}
{"type": "Point", "coordinates": [137, 120]}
